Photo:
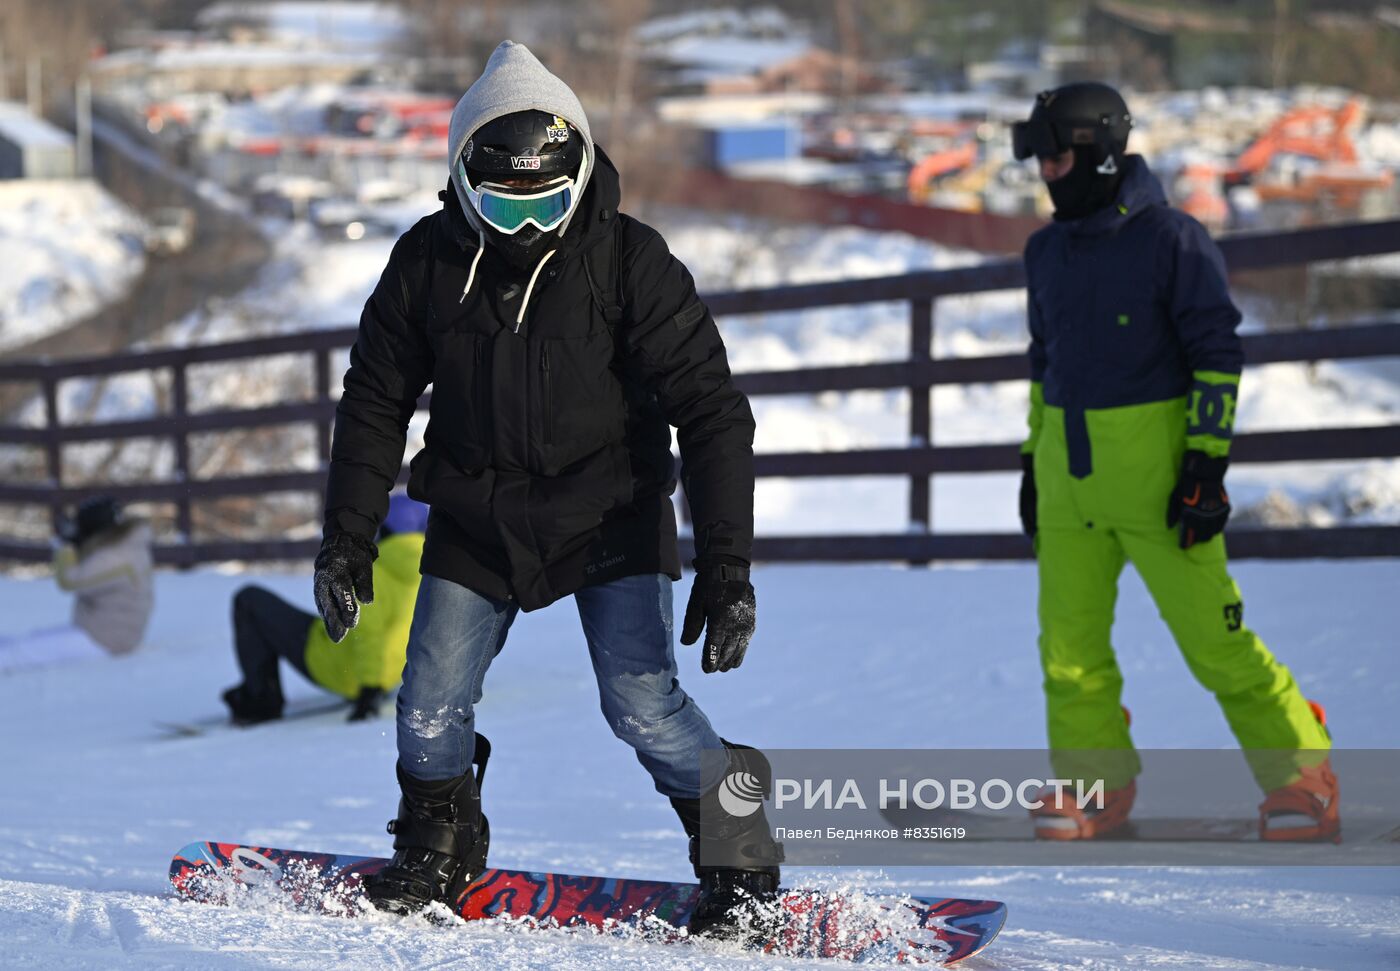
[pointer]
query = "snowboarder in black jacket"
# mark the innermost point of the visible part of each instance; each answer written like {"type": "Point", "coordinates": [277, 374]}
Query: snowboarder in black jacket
{"type": "Point", "coordinates": [561, 339]}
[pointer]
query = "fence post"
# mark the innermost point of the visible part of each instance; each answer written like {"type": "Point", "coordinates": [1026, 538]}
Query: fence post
{"type": "Point", "coordinates": [53, 448]}
{"type": "Point", "coordinates": [179, 410]}
{"type": "Point", "coordinates": [920, 413]}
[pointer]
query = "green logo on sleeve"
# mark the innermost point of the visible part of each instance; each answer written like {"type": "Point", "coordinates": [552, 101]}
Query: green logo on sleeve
{"type": "Point", "coordinates": [1123, 320]}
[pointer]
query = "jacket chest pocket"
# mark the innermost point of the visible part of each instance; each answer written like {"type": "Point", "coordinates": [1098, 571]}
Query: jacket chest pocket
{"type": "Point", "coordinates": [1128, 326]}
{"type": "Point", "coordinates": [461, 406]}
{"type": "Point", "coordinates": [576, 400]}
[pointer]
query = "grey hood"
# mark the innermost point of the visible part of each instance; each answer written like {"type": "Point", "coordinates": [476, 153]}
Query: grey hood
{"type": "Point", "coordinates": [515, 80]}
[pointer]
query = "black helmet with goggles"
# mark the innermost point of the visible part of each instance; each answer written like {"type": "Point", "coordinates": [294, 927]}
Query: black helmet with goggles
{"type": "Point", "coordinates": [1082, 114]}
{"type": "Point", "coordinates": [522, 169]}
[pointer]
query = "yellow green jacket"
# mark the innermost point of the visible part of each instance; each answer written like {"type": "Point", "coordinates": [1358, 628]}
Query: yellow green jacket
{"type": "Point", "coordinates": [372, 653]}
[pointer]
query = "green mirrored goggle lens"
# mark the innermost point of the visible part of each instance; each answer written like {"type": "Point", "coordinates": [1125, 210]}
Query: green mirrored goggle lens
{"type": "Point", "coordinates": [509, 213]}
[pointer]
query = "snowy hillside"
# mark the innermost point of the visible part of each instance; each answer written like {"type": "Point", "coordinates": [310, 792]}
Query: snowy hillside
{"type": "Point", "coordinates": [67, 247]}
{"type": "Point", "coordinates": [95, 801]}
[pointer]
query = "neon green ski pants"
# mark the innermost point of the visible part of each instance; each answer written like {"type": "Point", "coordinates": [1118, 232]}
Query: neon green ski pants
{"type": "Point", "coordinates": [1087, 530]}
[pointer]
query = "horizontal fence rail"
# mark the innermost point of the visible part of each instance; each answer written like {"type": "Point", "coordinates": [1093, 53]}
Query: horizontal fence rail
{"type": "Point", "coordinates": [917, 375]}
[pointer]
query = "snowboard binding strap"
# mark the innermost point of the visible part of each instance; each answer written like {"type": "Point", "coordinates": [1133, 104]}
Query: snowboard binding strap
{"type": "Point", "coordinates": [1305, 810]}
{"type": "Point", "coordinates": [1061, 819]}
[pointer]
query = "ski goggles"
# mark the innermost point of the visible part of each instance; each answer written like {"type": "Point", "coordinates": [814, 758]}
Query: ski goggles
{"type": "Point", "coordinates": [1035, 137]}
{"type": "Point", "coordinates": [510, 209]}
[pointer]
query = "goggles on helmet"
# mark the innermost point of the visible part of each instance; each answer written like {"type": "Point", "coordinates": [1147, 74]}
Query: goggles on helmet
{"type": "Point", "coordinates": [1052, 131]}
{"type": "Point", "coordinates": [509, 209]}
{"type": "Point", "coordinates": [1035, 137]}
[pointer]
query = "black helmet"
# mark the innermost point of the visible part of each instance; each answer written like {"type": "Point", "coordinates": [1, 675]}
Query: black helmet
{"type": "Point", "coordinates": [530, 144]}
{"type": "Point", "coordinates": [93, 516]}
{"type": "Point", "coordinates": [520, 176]}
{"type": "Point", "coordinates": [1091, 120]}
{"type": "Point", "coordinates": [1083, 114]}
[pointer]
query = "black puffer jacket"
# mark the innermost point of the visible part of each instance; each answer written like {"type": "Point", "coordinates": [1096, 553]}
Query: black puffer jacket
{"type": "Point", "coordinates": [547, 458]}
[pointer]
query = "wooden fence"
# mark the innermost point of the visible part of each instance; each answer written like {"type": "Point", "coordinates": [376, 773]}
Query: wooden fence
{"type": "Point", "coordinates": [918, 374]}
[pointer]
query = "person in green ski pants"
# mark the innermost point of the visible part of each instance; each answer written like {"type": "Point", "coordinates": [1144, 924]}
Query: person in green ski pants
{"type": "Point", "coordinates": [1135, 369]}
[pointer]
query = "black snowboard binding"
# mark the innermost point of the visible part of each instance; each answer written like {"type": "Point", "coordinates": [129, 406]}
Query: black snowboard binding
{"type": "Point", "coordinates": [735, 858]}
{"type": "Point", "coordinates": [440, 841]}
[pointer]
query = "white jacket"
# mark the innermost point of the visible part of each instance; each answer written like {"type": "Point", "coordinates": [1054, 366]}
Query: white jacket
{"type": "Point", "coordinates": [111, 575]}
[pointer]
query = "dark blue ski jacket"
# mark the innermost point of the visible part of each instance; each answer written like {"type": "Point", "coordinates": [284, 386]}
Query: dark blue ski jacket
{"type": "Point", "coordinates": [1127, 306]}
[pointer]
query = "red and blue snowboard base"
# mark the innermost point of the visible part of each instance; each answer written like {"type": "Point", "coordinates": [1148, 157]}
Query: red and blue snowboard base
{"type": "Point", "coordinates": [854, 926]}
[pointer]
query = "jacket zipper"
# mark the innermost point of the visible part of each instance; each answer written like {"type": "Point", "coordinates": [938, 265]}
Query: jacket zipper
{"type": "Point", "coordinates": [548, 396]}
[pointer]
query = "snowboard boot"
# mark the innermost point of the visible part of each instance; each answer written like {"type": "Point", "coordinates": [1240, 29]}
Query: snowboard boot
{"type": "Point", "coordinates": [440, 841]}
{"type": "Point", "coordinates": [248, 706]}
{"type": "Point", "coordinates": [1307, 810]}
{"type": "Point", "coordinates": [1061, 818]}
{"type": "Point", "coordinates": [734, 856]}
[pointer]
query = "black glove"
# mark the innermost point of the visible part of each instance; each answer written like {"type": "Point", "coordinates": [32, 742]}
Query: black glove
{"type": "Point", "coordinates": [723, 604]}
{"type": "Point", "coordinates": [366, 705]}
{"type": "Point", "coordinates": [1199, 502]}
{"type": "Point", "coordinates": [344, 574]}
{"type": "Point", "coordinates": [1028, 495]}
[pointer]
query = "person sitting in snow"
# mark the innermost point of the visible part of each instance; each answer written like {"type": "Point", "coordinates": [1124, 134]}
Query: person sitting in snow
{"type": "Point", "coordinates": [561, 339]}
{"type": "Point", "coordinates": [365, 666]}
{"type": "Point", "coordinates": [1135, 371]}
{"type": "Point", "coordinates": [103, 559]}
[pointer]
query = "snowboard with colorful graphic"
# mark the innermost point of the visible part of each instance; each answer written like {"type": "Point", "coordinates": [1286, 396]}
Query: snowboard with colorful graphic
{"type": "Point", "coordinates": [846, 925]}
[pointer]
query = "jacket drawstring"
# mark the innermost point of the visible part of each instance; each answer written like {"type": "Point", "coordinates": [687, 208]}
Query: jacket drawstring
{"type": "Point", "coordinates": [520, 317]}
{"type": "Point", "coordinates": [471, 274]}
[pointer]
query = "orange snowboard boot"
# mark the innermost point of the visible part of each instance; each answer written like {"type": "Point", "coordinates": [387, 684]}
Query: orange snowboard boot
{"type": "Point", "coordinates": [1306, 810]}
{"type": "Point", "coordinates": [1062, 819]}
{"type": "Point", "coordinates": [1303, 811]}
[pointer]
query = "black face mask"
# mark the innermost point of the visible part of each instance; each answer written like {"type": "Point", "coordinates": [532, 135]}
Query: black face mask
{"type": "Point", "coordinates": [522, 249]}
{"type": "Point", "coordinates": [1084, 190]}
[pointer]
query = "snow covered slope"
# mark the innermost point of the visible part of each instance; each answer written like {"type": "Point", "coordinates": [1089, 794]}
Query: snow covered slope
{"type": "Point", "coordinates": [67, 248]}
{"type": "Point", "coordinates": [94, 802]}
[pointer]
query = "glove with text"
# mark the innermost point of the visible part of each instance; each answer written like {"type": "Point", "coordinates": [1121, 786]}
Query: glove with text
{"type": "Point", "coordinates": [721, 603]}
{"type": "Point", "coordinates": [344, 580]}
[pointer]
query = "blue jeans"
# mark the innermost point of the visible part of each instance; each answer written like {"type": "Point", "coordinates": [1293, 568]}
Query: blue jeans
{"type": "Point", "coordinates": [457, 633]}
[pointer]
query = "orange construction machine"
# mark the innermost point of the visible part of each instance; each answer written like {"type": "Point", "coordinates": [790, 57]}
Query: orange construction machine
{"type": "Point", "coordinates": [1317, 133]}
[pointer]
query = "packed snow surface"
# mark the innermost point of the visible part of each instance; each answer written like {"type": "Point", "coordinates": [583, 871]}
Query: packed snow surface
{"type": "Point", "coordinates": [96, 800]}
